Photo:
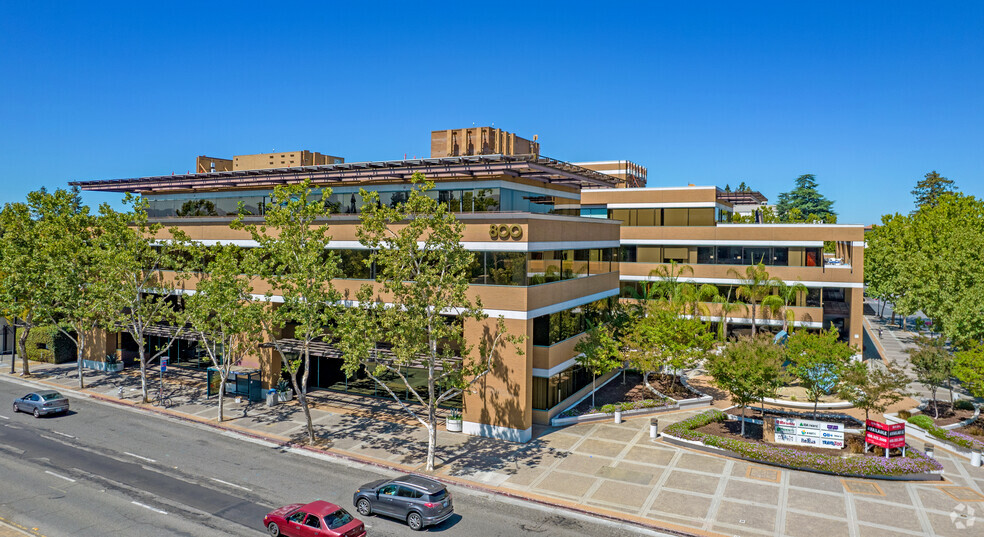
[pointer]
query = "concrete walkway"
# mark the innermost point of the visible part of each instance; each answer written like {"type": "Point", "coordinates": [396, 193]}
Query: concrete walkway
{"type": "Point", "coordinates": [604, 469]}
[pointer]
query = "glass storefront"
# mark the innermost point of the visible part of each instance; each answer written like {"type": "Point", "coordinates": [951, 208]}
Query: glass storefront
{"type": "Point", "coordinates": [550, 392]}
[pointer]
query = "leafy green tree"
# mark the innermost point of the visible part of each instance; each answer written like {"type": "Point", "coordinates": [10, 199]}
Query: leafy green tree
{"type": "Point", "coordinates": [932, 364]}
{"type": "Point", "coordinates": [666, 284]}
{"type": "Point", "coordinates": [968, 367]}
{"type": "Point", "coordinates": [73, 288]}
{"type": "Point", "coordinates": [298, 266]}
{"type": "Point", "coordinates": [599, 352]}
{"type": "Point", "coordinates": [22, 272]}
{"type": "Point", "coordinates": [140, 264]}
{"type": "Point", "coordinates": [817, 361]}
{"type": "Point", "coordinates": [727, 306]}
{"type": "Point", "coordinates": [662, 339]}
{"type": "Point", "coordinates": [749, 369]}
{"type": "Point", "coordinates": [930, 188]}
{"type": "Point", "coordinates": [778, 304]}
{"type": "Point", "coordinates": [872, 388]}
{"type": "Point", "coordinates": [754, 285]}
{"type": "Point", "coordinates": [803, 201]}
{"type": "Point", "coordinates": [423, 275]}
{"type": "Point", "coordinates": [222, 312]}
{"type": "Point", "coordinates": [888, 261]}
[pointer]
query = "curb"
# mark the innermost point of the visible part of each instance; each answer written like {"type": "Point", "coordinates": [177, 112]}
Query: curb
{"type": "Point", "coordinates": [611, 516]}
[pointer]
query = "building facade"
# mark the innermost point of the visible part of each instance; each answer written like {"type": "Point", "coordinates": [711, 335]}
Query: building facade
{"type": "Point", "coordinates": [554, 243]}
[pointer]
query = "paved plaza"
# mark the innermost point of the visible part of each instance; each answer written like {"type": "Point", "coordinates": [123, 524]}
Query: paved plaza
{"type": "Point", "coordinates": [614, 470]}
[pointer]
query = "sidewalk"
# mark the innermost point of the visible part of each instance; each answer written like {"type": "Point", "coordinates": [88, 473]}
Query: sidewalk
{"type": "Point", "coordinates": [605, 469]}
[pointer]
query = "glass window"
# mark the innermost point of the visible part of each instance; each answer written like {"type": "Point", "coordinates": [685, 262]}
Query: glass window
{"type": "Point", "coordinates": [312, 521]}
{"type": "Point", "coordinates": [598, 264]}
{"type": "Point", "coordinates": [628, 254]}
{"type": "Point", "coordinates": [649, 254]}
{"type": "Point", "coordinates": [675, 217]}
{"type": "Point", "coordinates": [780, 256]}
{"type": "Point", "coordinates": [580, 265]}
{"type": "Point", "coordinates": [298, 517]}
{"type": "Point", "coordinates": [705, 255]}
{"type": "Point", "coordinates": [701, 216]}
{"type": "Point", "coordinates": [813, 297]}
{"type": "Point", "coordinates": [354, 264]}
{"type": "Point", "coordinates": [337, 519]}
{"type": "Point", "coordinates": [620, 214]}
{"type": "Point", "coordinates": [476, 269]}
{"type": "Point", "coordinates": [813, 257]}
{"type": "Point", "coordinates": [550, 392]}
{"type": "Point", "coordinates": [612, 255]}
{"type": "Point", "coordinates": [729, 255]}
{"type": "Point", "coordinates": [406, 492]}
{"type": "Point", "coordinates": [680, 254]}
{"type": "Point", "coordinates": [646, 217]}
{"type": "Point", "coordinates": [506, 268]}
{"type": "Point", "coordinates": [754, 256]}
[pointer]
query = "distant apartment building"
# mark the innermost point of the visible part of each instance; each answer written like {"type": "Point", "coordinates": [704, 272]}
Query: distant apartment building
{"type": "Point", "coordinates": [263, 161]}
{"type": "Point", "coordinates": [575, 240]}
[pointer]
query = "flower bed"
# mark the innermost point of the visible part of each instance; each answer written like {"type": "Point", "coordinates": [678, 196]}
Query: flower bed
{"type": "Point", "coordinates": [863, 465]}
{"type": "Point", "coordinates": [621, 407]}
{"type": "Point", "coordinates": [925, 422]}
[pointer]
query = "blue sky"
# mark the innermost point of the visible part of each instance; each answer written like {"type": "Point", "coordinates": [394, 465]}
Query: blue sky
{"type": "Point", "coordinates": [869, 96]}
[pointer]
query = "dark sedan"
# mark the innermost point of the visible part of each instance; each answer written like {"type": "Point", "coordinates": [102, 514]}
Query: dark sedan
{"type": "Point", "coordinates": [42, 403]}
{"type": "Point", "coordinates": [419, 500]}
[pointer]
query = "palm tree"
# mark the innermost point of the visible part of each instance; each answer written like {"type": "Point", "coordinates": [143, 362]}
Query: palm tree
{"type": "Point", "coordinates": [754, 285]}
{"type": "Point", "coordinates": [693, 297]}
{"type": "Point", "coordinates": [667, 285]}
{"type": "Point", "coordinates": [778, 304]}
{"type": "Point", "coordinates": [727, 307]}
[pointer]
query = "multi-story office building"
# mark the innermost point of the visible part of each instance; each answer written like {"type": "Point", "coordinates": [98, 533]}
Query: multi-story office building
{"type": "Point", "coordinates": [554, 243]}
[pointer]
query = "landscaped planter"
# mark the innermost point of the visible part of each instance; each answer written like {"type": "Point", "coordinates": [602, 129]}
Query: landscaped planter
{"type": "Point", "coordinates": [807, 404]}
{"type": "Point", "coordinates": [283, 397]}
{"type": "Point", "coordinates": [453, 425]}
{"type": "Point", "coordinates": [943, 437]}
{"type": "Point", "coordinates": [114, 367]}
{"type": "Point", "coordinates": [607, 416]}
{"type": "Point", "coordinates": [914, 466]}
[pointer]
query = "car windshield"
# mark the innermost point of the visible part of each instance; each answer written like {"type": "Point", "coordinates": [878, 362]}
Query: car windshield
{"type": "Point", "coordinates": [338, 519]}
{"type": "Point", "coordinates": [52, 396]}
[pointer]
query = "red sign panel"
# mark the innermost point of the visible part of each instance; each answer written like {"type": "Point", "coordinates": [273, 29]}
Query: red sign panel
{"type": "Point", "coordinates": [885, 435]}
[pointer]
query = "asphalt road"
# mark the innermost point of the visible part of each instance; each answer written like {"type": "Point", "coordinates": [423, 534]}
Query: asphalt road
{"type": "Point", "coordinates": [106, 470]}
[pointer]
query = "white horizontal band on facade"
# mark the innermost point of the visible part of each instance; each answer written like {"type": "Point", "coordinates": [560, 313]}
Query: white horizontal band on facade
{"type": "Point", "coordinates": [735, 281]}
{"type": "Point", "coordinates": [497, 431]}
{"type": "Point", "coordinates": [547, 373]}
{"type": "Point", "coordinates": [746, 320]}
{"type": "Point", "coordinates": [762, 226]}
{"type": "Point", "coordinates": [715, 242]}
{"type": "Point", "coordinates": [473, 246]}
{"type": "Point", "coordinates": [652, 188]}
{"type": "Point", "coordinates": [862, 244]}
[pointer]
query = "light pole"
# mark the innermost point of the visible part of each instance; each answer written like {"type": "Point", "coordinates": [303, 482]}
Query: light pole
{"type": "Point", "coordinates": [13, 357]}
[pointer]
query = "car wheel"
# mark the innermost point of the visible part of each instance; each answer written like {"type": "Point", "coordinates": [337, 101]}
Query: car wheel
{"type": "Point", "coordinates": [37, 413]}
{"type": "Point", "coordinates": [363, 507]}
{"type": "Point", "coordinates": [415, 522]}
{"type": "Point", "coordinates": [16, 410]}
{"type": "Point", "coordinates": [273, 529]}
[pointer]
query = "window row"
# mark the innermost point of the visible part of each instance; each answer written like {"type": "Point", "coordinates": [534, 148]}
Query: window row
{"type": "Point", "coordinates": [550, 392]}
{"type": "Point", "coordinates": [813, 298]}
{"type": "Point", "coordinates": [700, 216]}
{"type": "Point", "coordinates": [556, 327]}
{"type": "Point", "coordinates": [724, 255]}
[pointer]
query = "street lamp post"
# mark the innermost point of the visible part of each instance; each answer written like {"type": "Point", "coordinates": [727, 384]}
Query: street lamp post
{"type": "Point", "coordinates": [13, 357]}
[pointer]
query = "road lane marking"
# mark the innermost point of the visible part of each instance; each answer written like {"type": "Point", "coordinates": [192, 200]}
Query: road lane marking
{"type": "Point", "coordinates": [231, 484]}
{"type": "Point", "coordinates": [63, 434]}
{"type": "Point", "coordinates": [60, 476]}
{"type": "Point", "coordinates": [135, 456]}
{"type": "Point", "coordinates": [149, 507]}
{"type": "Point", "coordinates": [4, 417]}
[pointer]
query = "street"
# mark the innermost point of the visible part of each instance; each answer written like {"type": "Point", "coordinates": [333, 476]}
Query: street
{"type": "Point", "coordinates": [108, 470]}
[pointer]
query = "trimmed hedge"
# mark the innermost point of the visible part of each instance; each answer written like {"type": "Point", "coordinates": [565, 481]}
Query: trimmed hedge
{"type": "Point", "coordinates": [914, 462]}
{"type": "Point", "coordinates": [57, 347]}
{"type": "Point", "coordinates": [621, 407]}
{"type": "Point", "coordinates": [925, 422]}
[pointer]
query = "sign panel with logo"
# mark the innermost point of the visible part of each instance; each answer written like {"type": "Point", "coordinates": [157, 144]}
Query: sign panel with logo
{"type": "Point", "coordinates": [809, 433]}
{"type": "Point", "coordinates": [889, 436]}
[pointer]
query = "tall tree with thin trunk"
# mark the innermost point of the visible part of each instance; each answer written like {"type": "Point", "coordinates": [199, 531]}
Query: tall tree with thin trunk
{"type": "Point", "coordinates": [142, 285]}
{"type": "Point", "coordinates": [21, 272]}
{"type": "Point", "coordinates": [74, 287]}
{"type": "Point", "coordinates": [930, 188]}
{"type": "Point", "coordinates": [754, 284]}
{"type": "Point", "coordinates": [932, 364]}
{"type": "Point", "coordinates": [818, 358]}
{"type": "Point", "coordinates": [748, 369]}
{"type": "Point", "coordinates": [422, 274]}
{"type": "Point", "coordinates": [223, 314]}
{"type": "Point", "coordinates": [872, 388]}
{"type": "Point", "coordinates": [599, 352]}
{"type": "Point", "coordinates": [727, 306]}
{"type": "Point", "coordinates": [778, 304]}
{"type": "Point", "coordinates": [295, 262]}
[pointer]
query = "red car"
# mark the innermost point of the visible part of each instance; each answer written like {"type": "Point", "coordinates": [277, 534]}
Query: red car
{"type": "Point", "coordinates": [316, 519]}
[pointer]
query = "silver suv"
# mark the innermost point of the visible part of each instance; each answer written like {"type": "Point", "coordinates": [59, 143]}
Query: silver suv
{"type": "Point", "coordinates": [419, 500]}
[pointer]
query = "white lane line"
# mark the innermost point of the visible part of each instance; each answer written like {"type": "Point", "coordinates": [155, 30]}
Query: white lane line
{"type": "Point", "coordinates": [135, 456]}
{"type": "Point", "coordinates": [231, 484]}
{"type": "Point", "coordinates": [60, 476]}
{"type": "Point", "coordinates": [149, 507]}
{"type": "Point", "coordinates": [63, 434]}
{"type": "Point", "coordinates": [4, 417]}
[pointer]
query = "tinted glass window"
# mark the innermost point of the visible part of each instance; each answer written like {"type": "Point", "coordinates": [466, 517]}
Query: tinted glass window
{"type": "Point", "coordinates": [338, 519]}
{"type": "Point", "coordinates": [388, 490]}
{"type": "Point", "coordinates": [298, 517]}
{"type": "Point", "coordinates": [705, 255]}
{"type": "Point", "coordinates": [53, 396]}
{"type": "Point", "coordinates": [406, 492]}
{"type": "Point", "coordinates": [313, 521]}
{"type": "Point", "coordinates": [439, 495]}
{"type": "Point", "coordinates": [754, 256]}
{"type": "Point", "coordinates": [729, 255]}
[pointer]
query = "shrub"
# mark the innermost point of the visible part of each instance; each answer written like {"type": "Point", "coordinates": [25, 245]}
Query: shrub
{"type": "Point", "coordinates": [48, 344]}
{"type": "Point", "coordinates": [905, 414]}
{"type": "Point", "coordinates": [913, 462]}
{"type": "Point", "coordinates": [963, 404]}
{"type": "Point", "coordinates": [975, 430]}
{"type": "Point", "coordinates": [954, 437]}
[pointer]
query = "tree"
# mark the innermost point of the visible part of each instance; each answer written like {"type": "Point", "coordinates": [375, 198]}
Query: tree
{"type": "Point", "coordinates": [749, 369]}
{"type": "Point", "coordinates": [297, 265]}
{"type": "Point", "coordinates": [872, 388]}
{"type": "Point", "coordinates": [21, 272]}
{"type": "Point", "coordinates": [599, 353]}
{"type": "Point", "coordinates": [662, 339]}
{"type": "Point", "coordinates": [222, 312]}
{"type": "Point", "coordinates": [818, 358]}
{"type": "Point", "coordinates": [754, 285]}
{"type": "Point", "coordinates": [930, 188]}
{"type": "Point", "coordinates": [74, 286]}
{"type": "Point", "coordinates": [888, 260]}
{"type": "Point", "coordinates": [932, 364]}
{"type": "Point", "coordinates": [666, 284]}
{"type": "Point", "coordinates": [804, 202]}
{"type": "Point", "coordinates": [727, 307]}
{"type": "Point", "coordinates": [423, 274]}
{"type": "Point", "coordinates": [968, 367]}
{"type": "Point", "coordinates": [197, 208]}
{"type": "Point", "coordinates": [141, 288]}
{"type": "Point", "coordinates": [785, 296]}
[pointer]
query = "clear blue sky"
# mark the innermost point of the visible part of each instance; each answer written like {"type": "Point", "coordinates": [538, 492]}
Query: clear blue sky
{"type": "Point", "coordinates": [869, 96]}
